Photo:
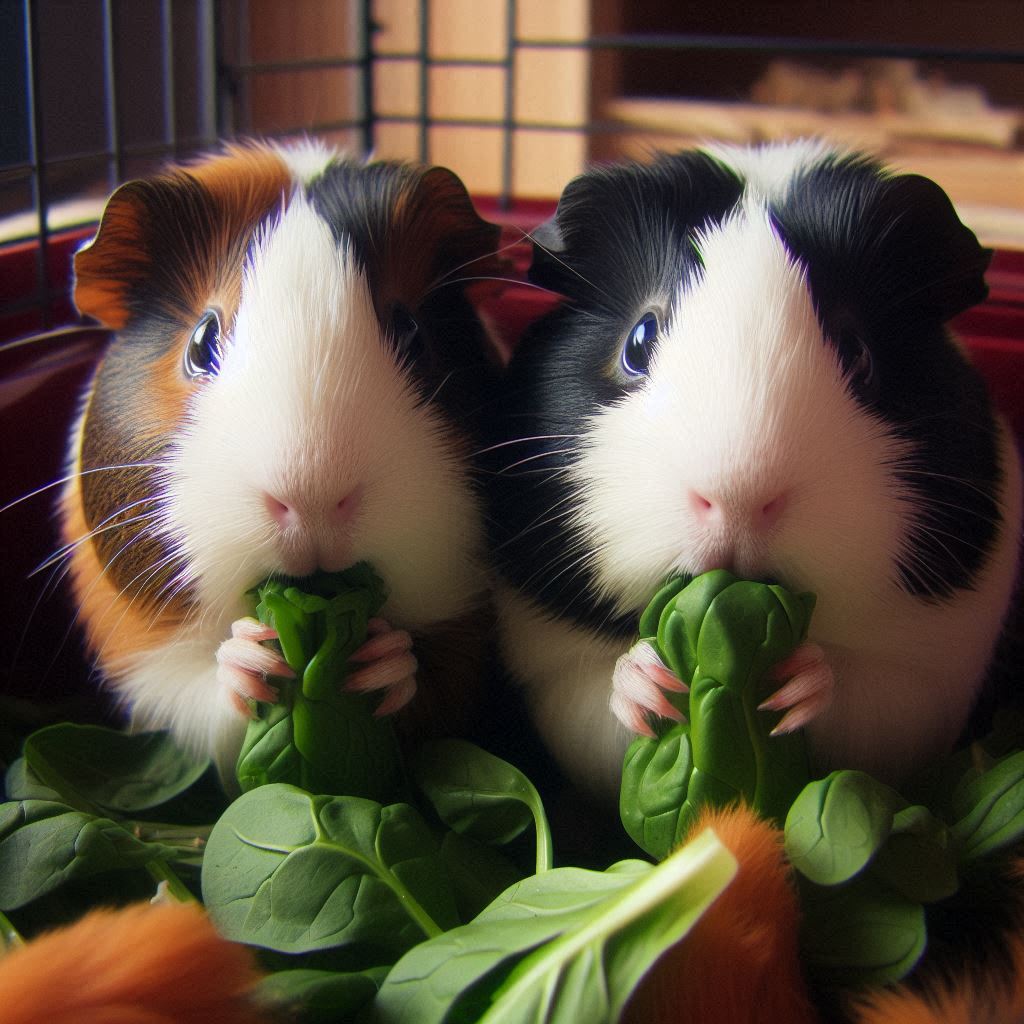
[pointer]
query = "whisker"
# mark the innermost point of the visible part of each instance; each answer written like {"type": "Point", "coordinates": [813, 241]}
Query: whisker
{"type": "Point", "coordinates": [72, 476]}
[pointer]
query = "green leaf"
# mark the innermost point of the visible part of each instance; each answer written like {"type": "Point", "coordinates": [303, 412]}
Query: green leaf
{"type": "Point", "coordinates": [21, 783]}
{"type": "Point", "coordinates": [569, 945]}
{"type": "Point", "coordinates": [479, 873]}
{"type": "Point", "coordinates": [317, 736]}
{"type": "Point", "coordinates": [480, 795]}
{"type": "Point", "coordinates": [44, 844]}
{"type": "Point", "coordinates": [101, 770]}
{"type": "Point", "coordinates": [860, 934]}
{"type": "Point", "coordinates": [837, 825]}
{"type": "Point", "coordinates": [655, 780]}
{"type": "Point", "coordinates": [720, 636]}
{"type": "Point", "coordinates": [989, 808]}
{"type": "Point", "coordinates": [296, 872]}
{"type": "Point", "coordinates": [319, 997]}
{"type": "Point", "coordinates": [919, 859]}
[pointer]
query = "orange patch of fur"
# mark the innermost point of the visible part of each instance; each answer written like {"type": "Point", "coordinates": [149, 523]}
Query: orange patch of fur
{"type": "Point", "coordinates": [115, 625]}
{"type": "Point", "coordinates": [244, 181]}
{"type": "Point", "coordinates": [740, 962]}
{"type": "Point", "coordinates": [140, 965]}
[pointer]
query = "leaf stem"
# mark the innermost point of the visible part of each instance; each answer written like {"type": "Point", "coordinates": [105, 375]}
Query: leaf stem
{"type": "Point", "coordinates": [10, 937]}
{"type": "Point", "coordinates": [545, 849]}
{"type": "Point", "coordinates": [187, 838]}
{"type": "Point", "coordinates": [162, 872]}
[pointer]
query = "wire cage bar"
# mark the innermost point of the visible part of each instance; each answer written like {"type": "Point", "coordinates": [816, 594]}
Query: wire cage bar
{"type": "Point", "coordinates": [165, 78]}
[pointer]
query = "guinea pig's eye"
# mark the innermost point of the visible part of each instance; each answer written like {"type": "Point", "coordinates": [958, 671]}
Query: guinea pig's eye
{"type": "Point", "coordinates": [404, 330]}
{"type": "Point", "coordinates": [203, 352]}
{"type": "Point", "coordinates": [639, 346]}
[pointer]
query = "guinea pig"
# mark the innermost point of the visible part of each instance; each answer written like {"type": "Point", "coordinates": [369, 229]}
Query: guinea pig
{"type": "Point", "coordinates": [294, 383]}
{"type": "Point", "coordinates": [750, 369]}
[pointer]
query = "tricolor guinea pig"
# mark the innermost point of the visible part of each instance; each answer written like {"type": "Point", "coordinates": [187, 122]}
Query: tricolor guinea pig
{"type": "Point", "coordinates": [751, 370]}
{"type": "Point", "coordinates": [294, 383]}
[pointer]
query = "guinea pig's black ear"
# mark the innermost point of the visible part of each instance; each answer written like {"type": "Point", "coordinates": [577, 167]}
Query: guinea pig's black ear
{"type": "Point", "coordinates": [116, 258]}
{"type": "Point", "coordinates": [547, 266]}
{"type": "Point", "coordinates": [934, 264]}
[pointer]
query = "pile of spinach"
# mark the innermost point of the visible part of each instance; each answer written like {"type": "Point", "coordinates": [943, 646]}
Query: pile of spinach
{"type": "Point", "coordinates": [386, 892]}
{"type": "Point", "coordinates": [868, 861]}
{"type": "Point", "coordinates": [374, 890]}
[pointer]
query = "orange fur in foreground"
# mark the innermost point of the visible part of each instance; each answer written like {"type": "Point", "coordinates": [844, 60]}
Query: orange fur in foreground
{"type": "Point", "coordinates": [140, 965]}
{"type": "Point", "coordinates": [967, 1000]}
{"type": "Point", "coordinates": [741, 962]}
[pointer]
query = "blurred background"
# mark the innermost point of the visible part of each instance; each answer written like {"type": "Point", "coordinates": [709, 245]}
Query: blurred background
{"type": "Point", "coordinates": [515, 95]}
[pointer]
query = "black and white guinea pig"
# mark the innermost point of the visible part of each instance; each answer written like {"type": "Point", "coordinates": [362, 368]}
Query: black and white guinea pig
{"type": "Point", "coordinates": [295, 383]}
{"type": "Point", "coordinates": [751, 370]}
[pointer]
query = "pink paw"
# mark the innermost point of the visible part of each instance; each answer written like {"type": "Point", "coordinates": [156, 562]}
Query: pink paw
{"type": "Point", "coordinates": [244, 662]}
{"type": "Point", "coordinates": [807, 690]}
{"type": "Point", "coordinates": [386, 663]}
{"type": "Point", "coordinates": [639, 678]}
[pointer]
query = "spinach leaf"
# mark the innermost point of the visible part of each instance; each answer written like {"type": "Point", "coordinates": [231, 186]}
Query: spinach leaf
{"type": "Point", "coordinates": [44, 844]}
{"type": "Point", "coordinates": [479, 873]}
{"type": "Point", "coordinates": [317, 736]}
{"type": "Point", "coordinates": [988, 808]}
{"type": "Point", "coordinates": [860, 934]}
{"type": "Point", "coordinates": [21, 783]}
{"type": "Point", "coordinates": [720, 635]}
{"type": "Point", "coordinates": [567, 945]}
{"type": "Point", "coordinates": [296, 872]}
{"type": "Point", "coordinates": [837, 825]}
{"type": "Point", "coordinates": [656, 780]}
{"type": "Point", "coordinates": [318, 996]}
{"type": "Point", "coordinates": [481, 796]}
{"type": "Point", "coordinates": [105, 771]}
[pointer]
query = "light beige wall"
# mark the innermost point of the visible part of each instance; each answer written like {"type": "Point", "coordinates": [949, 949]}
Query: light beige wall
{"type": "Point", "coordinates": [550, 85]}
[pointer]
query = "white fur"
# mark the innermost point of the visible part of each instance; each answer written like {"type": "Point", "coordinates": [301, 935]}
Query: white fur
{"type": "Point", "coordinates": [768, 170]}
{"type": "Point", "coordinates": [745, 401]}
{"type": "Point", "coordinates": [306, 158]}
{"type": "Point", "coordinates": [309, 403]}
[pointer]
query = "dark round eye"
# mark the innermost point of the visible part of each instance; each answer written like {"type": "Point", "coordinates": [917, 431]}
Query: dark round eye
{"type": "Point", "coordinates": [203, 351]}
{"type": "Point", "coordinates": [639, 347]}
{"type": "Point", "coordinates": [404, 330]}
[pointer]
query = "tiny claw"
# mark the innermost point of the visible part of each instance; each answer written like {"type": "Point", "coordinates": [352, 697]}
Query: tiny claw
{"type": "Point", "coordinates": [630, 715]}
{"type": "Point", "coordinates": [397, 697]}
{"type": "Point", "coordinates": [382, 645]}
{"type": "Point", "coordinates": [808, 690]}
{"type": "Point", "coordinates": [638, 680]}
{"type": "Point", "coordinates": [248, 628]}
{"type": "Point", "coordinates": [382, 674]}
{"type": "Point", "coordinates": [796, 718]}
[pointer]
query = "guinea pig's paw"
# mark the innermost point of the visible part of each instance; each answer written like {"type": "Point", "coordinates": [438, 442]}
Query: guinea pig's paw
{"type": "Point", "coordinates": [243, 664]}
{"type": "Point", "coordinates": [639, 678]}
{"type": "Point", "coordinates": [808, 689]}
{"type": "Point", "coordinates": [386, 663]}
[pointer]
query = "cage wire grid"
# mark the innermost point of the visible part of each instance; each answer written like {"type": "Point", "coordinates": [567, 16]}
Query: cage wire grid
{"type": "Point", "coordinates": [221, 84]}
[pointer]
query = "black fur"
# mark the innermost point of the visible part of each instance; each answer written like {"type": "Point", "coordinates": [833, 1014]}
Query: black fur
{"type": "Point", "coordinates": [888, 263]}
{"type": "Point", "coordinates": [417, 237]}
{"type": "Point", "coordinates": [620, 242]}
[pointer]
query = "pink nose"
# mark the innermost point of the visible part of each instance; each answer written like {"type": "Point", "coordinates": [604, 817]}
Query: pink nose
{"type": "Point", "coordinates": [288, 513]}
{"type": "Point", "coordinates": [709, 511]}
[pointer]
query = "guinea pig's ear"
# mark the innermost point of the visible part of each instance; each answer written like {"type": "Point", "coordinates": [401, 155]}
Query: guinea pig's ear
{"type": "Point", "coordinates": [933, 264]}
{"type": "Point", "coordinates": [548, 245]}
{"type": "Point", "coordinates": [451, 227]}
{"type": "Point", "coordinates": [108, 266]}
{"type": "Point", "coordinates": [169, 235]}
